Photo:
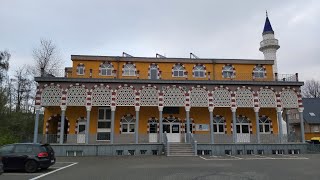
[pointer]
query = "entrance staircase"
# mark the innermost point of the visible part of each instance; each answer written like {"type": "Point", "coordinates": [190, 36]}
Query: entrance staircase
{"type": "Point", "coordinates": [180, 149]}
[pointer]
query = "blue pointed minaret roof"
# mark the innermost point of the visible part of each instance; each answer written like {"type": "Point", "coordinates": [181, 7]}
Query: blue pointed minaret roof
{"type": "Point", "coordinates": [267, 26]}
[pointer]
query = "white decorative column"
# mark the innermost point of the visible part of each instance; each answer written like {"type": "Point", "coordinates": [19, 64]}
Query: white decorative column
{"type": "Point", "coordinates": [188, 123]}
{"type": "Point", "coordinates": [256, 112]}
{"type": "Point", "coordinates": [63, 113]}
{"type": "Point", "coordinates": [137, 108]}
{"type": "Point", "coordinates": [36, 124]}
{"type": "Point", "coordinates": [301, 124]}
{"type": "Point", "coordinates": [160, 124]}
{"type": "Point", "coordinates": [88, 108]}
{"type": "Point", "coordinates": [113, 110]}
{"type": "Point", "coordinates": [279, 109]}
{"type": "Point", "coordinates": [234, 123]}
{"type": "Point", "coordinates": [211, 125]}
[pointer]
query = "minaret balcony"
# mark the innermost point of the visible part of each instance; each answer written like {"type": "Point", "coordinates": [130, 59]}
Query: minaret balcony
{"type": "Point", "coordinates": [268, 42]}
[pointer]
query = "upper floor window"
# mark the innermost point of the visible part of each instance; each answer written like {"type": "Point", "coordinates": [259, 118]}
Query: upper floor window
{"type": "Point", "coordinates": [154, 71]}
{"type": "Point", "coordinates": [80, 69]}
{"type": "Point", "coordinates": [199, 71]}
{"type": "Point", "coordinates": [106, 69]}
{"type": "Point", "coordinates": [178, 70]}
{"type": "Point", "coordinates": [228, 71]}
{"type": "Point", "coordinates": [264, 124]}
{"type": "Point", "coordinates": [129, 70]}
{"type": "Point", "coordinates": [259, 71]}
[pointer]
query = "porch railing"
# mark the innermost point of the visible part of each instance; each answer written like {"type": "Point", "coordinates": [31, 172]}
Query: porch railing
{"type": "Point", "coordinates": [91, 73]}
{"type": "Point", "coordinates": [194, 144]}
{"type": "Point", "coordinates": [166, 143]}
{"type": "Point", "coordinates": [194, 139]}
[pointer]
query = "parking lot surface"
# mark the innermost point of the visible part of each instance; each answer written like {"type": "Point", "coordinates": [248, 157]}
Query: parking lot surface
{"type": "Point", "coordinates": [239, 167]}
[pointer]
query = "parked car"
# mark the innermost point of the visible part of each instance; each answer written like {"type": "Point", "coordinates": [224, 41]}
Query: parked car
{"type": "Point", "coordinates": [1, 166]}
{"type": "Point", "coordinates": [27, 156]}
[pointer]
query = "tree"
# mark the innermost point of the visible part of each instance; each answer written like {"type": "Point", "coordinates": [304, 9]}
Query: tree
{"type": "Point", "coordinates": [4, 63]}
{"type": "Point", "coordinates": [47, 58]}
{"type": "Point", "coordinates": [23, 86]}
{"type": "Point", "coordinates": [311, 89]}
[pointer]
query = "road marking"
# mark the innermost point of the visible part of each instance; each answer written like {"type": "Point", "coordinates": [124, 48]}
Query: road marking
{"type": "Point", "coordinates": [215, 156]}
{"type": "Point", "coordinates": [38, 177]}
{"type": "Point", "coordinates": [234, 157]}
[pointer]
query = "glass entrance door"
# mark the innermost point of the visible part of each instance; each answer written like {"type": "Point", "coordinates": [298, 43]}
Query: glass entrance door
{"type": "Point", "coordinates": [173, 131]}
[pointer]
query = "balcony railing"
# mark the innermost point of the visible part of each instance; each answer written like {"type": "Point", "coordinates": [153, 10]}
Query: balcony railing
{"type": "Point", "coordinates": [170, 76]}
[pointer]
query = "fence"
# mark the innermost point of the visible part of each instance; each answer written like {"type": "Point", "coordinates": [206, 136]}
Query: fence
{"type": "Point", "coordinates": [170, 76]}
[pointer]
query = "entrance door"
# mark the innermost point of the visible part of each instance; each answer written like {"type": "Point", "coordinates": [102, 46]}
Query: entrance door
{"type": "Point", "coordinates": [81, 136]}
{"type": "Point", "coordinates": [153, 133]}
{"type": "Point", "coordinates": [173, 131]}
{"type": "Point", "coordinates": [243, 132]}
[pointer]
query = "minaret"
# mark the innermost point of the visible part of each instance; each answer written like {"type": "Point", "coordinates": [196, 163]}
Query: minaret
{"type": "Point", "coordinates": [269, 45]}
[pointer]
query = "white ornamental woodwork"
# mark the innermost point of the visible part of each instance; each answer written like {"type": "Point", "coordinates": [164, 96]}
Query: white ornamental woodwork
{"type": "Point", "coordinates": [125, 96]}
{"type": "Point", "coordinates": [267, 98]}
{"type": "Point", "coordinates": [101, 96]}
{"type": "Point", "coordinates": [199, 97]}
{"type": "Point", "coordinates": [149, 96]}
{"type": "Point", "coordinates": [289, 99]}
{"type": "Point", "coordinates": [51, 96]}
{"type": "Point", "coordinates": [244, 98]}
{"type": "Point", "coordinates": [76, 96]}
{"type": "Point", "coordinates": [174, 97]}
{"type": "Point", "coordinates": [221, 97]}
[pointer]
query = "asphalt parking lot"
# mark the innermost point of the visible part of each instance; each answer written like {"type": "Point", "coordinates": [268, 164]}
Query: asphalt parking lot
{"type": "Point", "coordinates": [243, 167]}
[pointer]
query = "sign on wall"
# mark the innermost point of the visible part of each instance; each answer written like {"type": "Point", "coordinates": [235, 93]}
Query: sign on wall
{"type": "Point", "coordinates": [202, 127]}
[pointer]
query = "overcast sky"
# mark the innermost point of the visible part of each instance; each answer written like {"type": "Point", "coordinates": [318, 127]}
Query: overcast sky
{"type": "Point", "coordinates": [174, 28]}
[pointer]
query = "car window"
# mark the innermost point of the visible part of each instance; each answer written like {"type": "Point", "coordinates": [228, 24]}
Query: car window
{"type": "Point", "coordinates": [23, 148]}
{"type": "Point", "coordinates": [6, 149]}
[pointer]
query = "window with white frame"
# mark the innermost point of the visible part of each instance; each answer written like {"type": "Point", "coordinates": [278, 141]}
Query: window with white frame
{"type": "Point", "coordinates": [178, 71]}
{"type": "Point", "coordinates": [106, 69]}
{"type": "Point", "coordinates": [128, 124]}
{"type": "Point", "coordinates": [129, 70]}
{"type": "Point", "coordinates": [80, 69]}
{"type": "Point", "coordinates": [227, 71]}
{"type": "Point", "coordinates": [104, 124]}
{"type": "Point", "coordinates": [218, 125]}
{"type": "Point", "coordinates": [153, 71]}
{"type": "Point", "coordinates": [199, 71]}
{"type": "Point", "coordinates": [264, 125]}
{"type": "Point", "coordinates": [259, 71]}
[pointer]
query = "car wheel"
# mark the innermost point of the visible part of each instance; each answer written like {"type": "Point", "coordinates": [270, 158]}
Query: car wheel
{"type": "Point", "coordinates": [31, 166]}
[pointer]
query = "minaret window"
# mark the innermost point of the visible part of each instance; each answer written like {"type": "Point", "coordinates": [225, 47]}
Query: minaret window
{"type": "Point", "coordinates": [178, 71]}
{"type": "Point", "coordinates": [218, 125]}
{"type": "Point", "coordinates": [228, 71]}
{"type": "Point", "coordinates": [264, 125]}
{"type": "Point", "coordinates": [129, 70]}
{"type": "Point", "coordinates": [199, 71]}
{"type": "Point", "coordinates": [80, 69]}
{"type": "Point", "coordinates": [106, 69]}
{"type": "Point", "coordinates": [259, 72]}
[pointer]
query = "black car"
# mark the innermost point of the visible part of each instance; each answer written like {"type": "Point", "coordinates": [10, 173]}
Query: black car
{"type": "Point", "coordinates": [27, 156]}
{"type": "Point", "coordinates": [1, 166]}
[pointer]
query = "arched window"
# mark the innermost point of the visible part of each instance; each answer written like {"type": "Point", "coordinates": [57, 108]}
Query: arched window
{"type": "Point", "coordinates": [264, 124]}
{"type": "Point", "coordinates": [243, 124]}
{"type": "Point", "coordinates": [80, 69]}
{"type": "Point", "coordinates": [154, 72]}
{"type": "Point", "coordinates": [218, 125]}
{"type": "Point", "coordinates": [228, 71]}
{"type": "Point", "coordinates": [129, 70]}
{"type": "Point", "coordinates": [178, 71]}
{"type": "Point", "coordinates": [106, 69]}
{"type": "Point", "coordinates": [128, 124]}
{"type": "Point", "coordinates": [199, 71]}
{"type": "Point", "coordinates": [259, 72]}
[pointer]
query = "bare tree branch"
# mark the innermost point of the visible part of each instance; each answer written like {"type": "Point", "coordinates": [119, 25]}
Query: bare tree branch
{"type": "Point", "coordinates": [311, 89]}
{"type": "Point", "coordinates": [46, 57]}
